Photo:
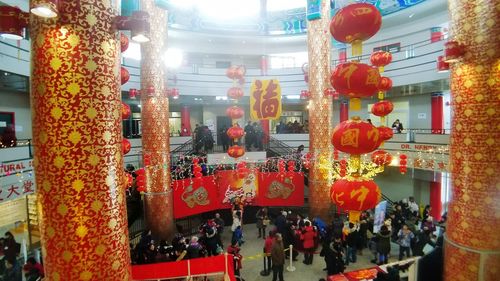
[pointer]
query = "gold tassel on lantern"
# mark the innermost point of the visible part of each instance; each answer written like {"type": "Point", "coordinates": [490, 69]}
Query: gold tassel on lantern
{"type": "Point", "coordinates": [357, 48]}
{"type": "Point", "coordinates": [355, 104]}
{"type": "Point", "coordinates": [354, 216]}
{"type": "Point", "coordinates": [381, 95]}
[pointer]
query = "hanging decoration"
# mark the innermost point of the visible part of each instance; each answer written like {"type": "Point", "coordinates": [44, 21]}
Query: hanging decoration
{"type": "Point", "coordinates": [124, 75]}
{"type": "Point", "coordinates": [265, 100]}
{"type": "Point", "coordinates": [381, 158]}
{"type": "Point", "coordinates": [355, 80]}
{"type": "Point", "coordinates": [235, 93]}
{"type": "Point", "coordinates": [380, 59]}
{"type": "Point", "coordinates": [132, 93]}
{"type": "Point", "coordinates": [403, 163]}
{"type": "Point", "coordinates": [126, 146]}
{"type": "Point", "coordinates": [124, 42]}
{"type": "Point", "coordinates": [125, 111]}
{"type": "Point", "coordinates": [355, 194]}
{"type": "Point", "coordinates": [354, 24]}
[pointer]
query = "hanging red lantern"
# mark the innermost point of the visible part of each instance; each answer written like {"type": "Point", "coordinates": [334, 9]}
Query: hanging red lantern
{"type": "Point", "coordinates": [335, 154]}
{"type": "Point", "coordinates": [355, 194]}
{"type": "Point", "coordinates": [343, 168]}
{"type": "Point", "coordinates": [132, 93]}
{"type": "Point", "coordinates": [386, 133]}
{"type": "Point", "coordinates": [235, 132]}
{"type": "Point", "coordinates": [231, 72]}
{"type": "Point", "coordinates": [382, 108]}
{"type": "Point", "coordinates": [355, 80]}
{"type": "Point", "coordinates": [236, 151]}
{"type": "Point", "coordinates": [125, 111]}
{"type": "Point", "coordinates": [235, 112]}
{"type": "Point", "coordinates": [126, 146]}
{"type": "Point", "coordinates": [354, 24]}
{"type": "Point", "coordinates": [123, 42]}
{"type": "Point", "coordinates": [124, 75]}
{"type": "Point", "coordinates": [402, 163]}
{"type": "Point", "coordinates": [129, 180]}
{"type": "Point", "coordinates": [385, 84]}
{"type": "Point", "coordinates": [355, 136]}
{"type": "Point", "coordinates": [442, 66]}
{"type": "Point", "coordinates": [235, 93]}
{"type": "Point", "coordinates": [240, 73]}
{"type": "Point", "coordinates": [381, 158]}
{"type": "Point", "coordinates": [381, 59]}
{"type": "Point", "coordinates": [453, 51]}
{"type": "Point", "coordinates": [173, 93]}
{"type": "Point", "coordinates": [140, 182]}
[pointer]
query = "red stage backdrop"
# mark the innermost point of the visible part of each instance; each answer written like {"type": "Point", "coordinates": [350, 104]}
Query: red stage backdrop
{"type": "Point", "coordinates": [281, 189]}
{"type": "Point", "coordinates": [191, 198]}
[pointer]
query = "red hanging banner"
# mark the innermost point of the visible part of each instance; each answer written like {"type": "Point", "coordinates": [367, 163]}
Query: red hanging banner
{"type": "Point", "coordinates": [195, 196]}
{"type": "Point", "coordinates": [281, 189]}
{"type": "Point", "coordinates": [237, 187]}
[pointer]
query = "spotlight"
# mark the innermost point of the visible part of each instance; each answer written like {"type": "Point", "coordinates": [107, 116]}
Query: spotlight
{"type": "Point", "coordinates": [12, 22]}
{"type": "Point", "coordinates": [138, 24]}
{"type": "Point", "coordinates": [44, 8]}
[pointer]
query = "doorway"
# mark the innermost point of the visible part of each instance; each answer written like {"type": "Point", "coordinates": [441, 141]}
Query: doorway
{"type": "Point", "coordinates": [222, 122]}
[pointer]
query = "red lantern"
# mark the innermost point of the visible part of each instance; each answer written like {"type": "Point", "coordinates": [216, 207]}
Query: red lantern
{"type": "Point", "coordinates": [453, 51]}
{"type": "Point", "coordinates": [125, 111]}
{"type": "Point", "coordinates": [355, 80]}
{"type": "Point", "coordinates": [356, 136]}
{"type": "Point", "coordinates": [355, 23]}
{"type": "Point", "coordinates": [381, 158]}
{"type": "Point", "coordinates": [343, 167]}
{"type": "Point", "coordinates": [132, 93]}
{"type": "Point", "coordinates": [382, 108]}
{"type": "Point", "coordinates": [126, 146]}
{"type": "Point", "coordinates": [123, 42]}
{"type": "Point", "coordinates": [402, 163]}
{"type": "Point", "coordinates": [173, 93]}
{"type": "Point", "coordinates": [356, 194]}
{"type": "Point", "coordinates": [235, 112]}
{"type": "Point", "coordinates": [385, 84]}
{"type": "Point", "coordinates": [305, 95]}
{"type": "Point", "coordinates": [240, 73]}
{"type": "Point", "coordinates": [235, 93]}
{"type": "Point", "coordinates": [140, 182]}
{"type": "Point", "coordinates": [381, 59]}
{"type": "Point", "coordinates": [140, 172]}
{"type": "Point", "coordinates": [236, 72]}
{"type": "Point", "coordinates": [124, 75]}
{"type": "Point", "coordinates": [442, 66]}
{"type": "Point", "coordinates": [386, 133]}
{"type": "Point", "coordinates": [235, 132]}
{"type": "Point", "coordinates": [236, 151]}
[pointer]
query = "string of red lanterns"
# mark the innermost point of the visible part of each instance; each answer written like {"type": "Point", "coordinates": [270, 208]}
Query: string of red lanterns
{"type": "Point", "coordinates": [236, 73]}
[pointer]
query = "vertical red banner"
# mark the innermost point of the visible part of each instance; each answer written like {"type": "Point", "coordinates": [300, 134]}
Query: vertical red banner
{"type": "Point", "coordinates": [344, 111]}
{"type": "Point", "coordinates": [437, 114]}
{"type": "Point", "coordinates": [435, 200]}
{"type": "Point", "coordinates": [185, 122]}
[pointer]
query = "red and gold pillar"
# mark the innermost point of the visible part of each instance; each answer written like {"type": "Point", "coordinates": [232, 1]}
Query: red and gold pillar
{"type": "Point", "coordinates": [155, 126]}
{"type": "Point", "coordinates": [77, 134]}
{"type": "Point", "coordinates": [320, 113]}
{"type": "Point", "coordinates": [472, 242]}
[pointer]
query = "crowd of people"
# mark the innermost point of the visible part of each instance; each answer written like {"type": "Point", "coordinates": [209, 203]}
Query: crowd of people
{"type": "Point", "coordinates": [10, 267]}
{"type": "Point", "coordinates": [292, 128]}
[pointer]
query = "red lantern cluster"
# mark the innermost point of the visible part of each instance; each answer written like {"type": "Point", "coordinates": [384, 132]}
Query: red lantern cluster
{"type": "Point", "coordinates": [385, 84]}
{"type": "Point", "coordinates": [125, 111]}
{"type": "Point", "coordinates": [235, 112]}
{"type": "Point", "coordinates": [343, 168]}
{"type": "Point", "coordinates": [403, 163]}
{"type": "Point", "coordinates": [354, 24]}
{"type": "Point", "coordinates": [140, 180]}
{"type": "Point", "coordinates": [381, 158]}
{"type": "Point", "coordinates": [355, 194]}
{"type": "Point", "coordinates": [356, 136]}
{"type": "Point", "coordinates": [355, 80]}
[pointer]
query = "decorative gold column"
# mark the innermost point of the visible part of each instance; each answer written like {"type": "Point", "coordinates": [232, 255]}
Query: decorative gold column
{"type": "Point", "coordinates": [77, 133]}
{"type": "Point", "coordinates": [320, 113]}
{"type": "Point", "coordinates": [472, 240]}
{"type": "Point", "coordinates": [155, 127]}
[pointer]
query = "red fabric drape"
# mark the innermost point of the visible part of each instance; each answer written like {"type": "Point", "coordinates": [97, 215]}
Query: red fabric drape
{"type": "Point", "coordinates": [435, 200]}
{"type": "Point", "coordinates": [344, 111]}
{"type": "Point", "coordinates": [185, 122]}
{"type": "Point", "coordinates": [437, 117]}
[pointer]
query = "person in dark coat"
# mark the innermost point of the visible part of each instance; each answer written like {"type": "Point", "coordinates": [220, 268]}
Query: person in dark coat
{"type": "Point", "coordinates": [362, 236]}
{"type": "Point", "coordinates": [383, 244]}
{"type": "Point", "coordinates": [280, 222]}
{"type": "Point", "coordinates": [352, 241]}
{"type": "Point", "coordinates": [194, 250]}
{"type": "Point", "coordinates": [10, 247]}
{"type": "Point", "coordinates": [430, 266]}
{"type": "Point", "coordinates": [278, 257]}
{"type": "Point", "coordinates": [262, 221]}
{"type": "Point", "coordinates": [332, 253]}
{"type": "Point", "coordinates": [249, 135]}
{"type": "Point", "coordinates": [212, 241]}
{"type": "Point", "coordinates": [12, 270]}
{"type": "Point", "coordinates": [337, 226]}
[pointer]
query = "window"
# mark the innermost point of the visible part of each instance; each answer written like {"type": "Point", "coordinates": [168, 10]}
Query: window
{"type": "Point", "coordinates": [288, 60]}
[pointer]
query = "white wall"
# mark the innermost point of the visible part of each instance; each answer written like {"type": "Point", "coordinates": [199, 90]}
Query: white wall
{"type": "Point", "coordinates": [19, 103]}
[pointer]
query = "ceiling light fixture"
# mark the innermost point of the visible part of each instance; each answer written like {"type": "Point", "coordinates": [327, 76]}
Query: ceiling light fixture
{"type": "Point", "coordinates": [12, 22]}
{"type": "Point", "coordinates": [138, 24]}
{"type": "Point", "coordinates": [44, 8]}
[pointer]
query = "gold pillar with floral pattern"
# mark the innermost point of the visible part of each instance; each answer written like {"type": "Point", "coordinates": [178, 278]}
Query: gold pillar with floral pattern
{"type": "Point", "coordinates": [77, 134]}
{"type": "Point", "coordinates": [155, 126]}
{"type": "Point", "coordinates": [320, 113]}
{"type": "Point", "coordinates": [472, 241]}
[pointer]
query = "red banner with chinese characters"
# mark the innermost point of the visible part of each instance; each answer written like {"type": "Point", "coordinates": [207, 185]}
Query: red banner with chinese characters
{"type": "Point", "coordinates": [193, 197]}
{"type": "Point", "coordinates": [281, 189]}
{"type": "Point", "coordinates": [265, 100]}
{"type": "Point", "coordinates": [362, 274]}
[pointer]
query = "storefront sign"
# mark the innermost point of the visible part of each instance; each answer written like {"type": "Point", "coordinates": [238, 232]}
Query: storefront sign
{"type": "Point", "coordinates": [265, 100]}
{"type": "Point", "coordinates": [11, 168]}
{"type": "Point", "coordinates": [16, 186]}
{"type": "Point", "coordinates": [416, 147]}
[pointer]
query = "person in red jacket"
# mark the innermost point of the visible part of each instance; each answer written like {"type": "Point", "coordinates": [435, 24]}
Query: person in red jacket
{"type": "Point", "coordinates": [307, 237]}
{"type": "Point", "coordinates": [268, 245]}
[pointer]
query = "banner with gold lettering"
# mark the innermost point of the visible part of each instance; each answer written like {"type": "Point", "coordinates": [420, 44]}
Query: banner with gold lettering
{"type": "Point", "coordinates": [193, 197]}
{"type": "Point", "coordinates": [265, 100]}
{"type": "Point", "coordinates": [281, 189]}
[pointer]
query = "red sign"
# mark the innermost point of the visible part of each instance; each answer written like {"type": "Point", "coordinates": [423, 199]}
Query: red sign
{"type": "Point", "coordinates": [281, 189]}
{"type": "Point", "coordinates": [192, 196]}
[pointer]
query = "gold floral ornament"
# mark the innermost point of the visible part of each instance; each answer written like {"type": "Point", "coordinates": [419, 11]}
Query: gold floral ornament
{"type": "Point", "coordinates": [280, 190]}
{"type": "Point", "coordinates": [197, 197]}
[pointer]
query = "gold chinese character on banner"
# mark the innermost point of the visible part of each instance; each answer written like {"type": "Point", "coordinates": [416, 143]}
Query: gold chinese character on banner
{"type": "Point", "coordinates": [350, 137]}
{"type": "Point", "coordinates": [265, 100]}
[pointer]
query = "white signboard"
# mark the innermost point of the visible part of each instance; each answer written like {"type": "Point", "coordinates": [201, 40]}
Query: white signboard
{"type": "Point", "coordinates": [11, 168]}
{"type": "Point", "coordinates": [15, 186]}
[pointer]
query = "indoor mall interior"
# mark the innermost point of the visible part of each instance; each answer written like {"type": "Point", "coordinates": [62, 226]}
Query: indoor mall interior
{"type": "Point", "coordinates": [230, 140]}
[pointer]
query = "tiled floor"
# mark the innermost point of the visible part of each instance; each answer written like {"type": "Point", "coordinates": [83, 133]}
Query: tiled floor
{"type": "Point", "coordinates": [253, 261]}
